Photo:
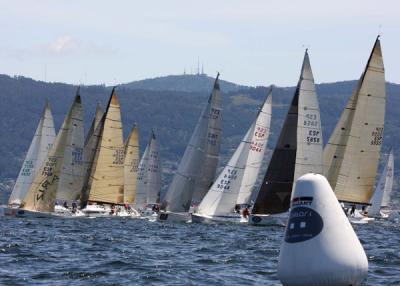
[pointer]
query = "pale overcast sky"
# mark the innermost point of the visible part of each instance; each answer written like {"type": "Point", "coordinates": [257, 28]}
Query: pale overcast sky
{"type": "Point", "coordinates": [249, 42]}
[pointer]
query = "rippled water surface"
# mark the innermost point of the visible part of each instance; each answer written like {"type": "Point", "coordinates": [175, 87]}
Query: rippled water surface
{"type": "Point", "coordinates": [114, 251]}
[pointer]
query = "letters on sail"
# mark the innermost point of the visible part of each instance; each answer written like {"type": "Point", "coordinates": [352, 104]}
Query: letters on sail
{"type": "Point", "coordinates": [41, 144]}
{"type": "Point", "coordinates": [352, 153]}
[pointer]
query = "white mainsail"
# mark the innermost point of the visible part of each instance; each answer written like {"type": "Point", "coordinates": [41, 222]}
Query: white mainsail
{"type": "Point", "coordinates": [381, 197]}
{"type": "Point", "coordinates": [42, 193]}
{"type": "Point", "coordinates": [131, 165]}
{"type": "Point", "coordinates": [41, 144]}
{"type": "Point", "coordinates": [309, 134]}
{"type": "Point", "coordinates": [352, 153]}
{"type": "Point", "coordinates": [149, 176]}
{"type": "Point", "coordinates": [237, 179]}
{"type": "Point", "coordinates": [197, 168]}
{"type": "Point", "coordinates": [72, 172]}
{"type": "Point", "coordinates": [106, 181]}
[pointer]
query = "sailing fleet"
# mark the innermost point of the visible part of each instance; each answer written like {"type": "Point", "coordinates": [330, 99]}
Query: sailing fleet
{"type": "Point", "coordinates": [101, 175]}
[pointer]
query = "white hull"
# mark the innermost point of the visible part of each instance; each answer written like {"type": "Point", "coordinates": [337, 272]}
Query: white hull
{"type": "Point", "coordinates": [359, 218]}
{"type": "Point", "coordinates": [269, 219]}
{"type": "Point", "coordinates": [173, 217]}
{"type": "Point", "coordinates": [232, 218]}
{"type": "Point", "coordinates": [106, 211]}
{"type": "Point", "coordinates": [64, 212]}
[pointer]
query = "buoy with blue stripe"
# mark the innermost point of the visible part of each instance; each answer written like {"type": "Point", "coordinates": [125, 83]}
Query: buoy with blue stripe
{"type": "Point", "coordinates": [320, 246]}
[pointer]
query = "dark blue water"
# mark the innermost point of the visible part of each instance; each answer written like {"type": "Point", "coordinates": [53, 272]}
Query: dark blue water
{"type": "Point", "coordinates": [115, 251]}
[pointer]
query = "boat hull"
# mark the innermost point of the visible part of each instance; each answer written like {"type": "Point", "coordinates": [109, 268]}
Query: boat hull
{"type": "Point", "coordinates": [32, 214]}
{"type": "Point", "coordinates": [173, 217]}
{"type": "Point", "coordinates": [10, 211]}
{"type": "Point", "coordinates": [268, 219]}
{"type": "Point", "coordinates": [198, 218]}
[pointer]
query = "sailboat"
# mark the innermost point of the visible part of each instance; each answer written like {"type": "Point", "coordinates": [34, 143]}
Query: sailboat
{"type": "Point", "coordinates": [41, 144]}
{"type": "Point", "coordinates": [198, 165]}
{"type": "Point", "coordinates": [381, 198]}
{"type": "Point", "coordinates": [297, 152]}
{"type": "Point", "coordinates": [352, 154]}
{"type": "Point", "coordinates": [105, 185]}
{"type": "Point", "coordinates": [234, 184]}
{"type": "Point", "coordinates": [149, 179]}
{"type": "Point", "coordinates": [131, 165]}
{"type": "Point", "coordinates": [41, 196]}
{"type": "Point", "coordinates": [72, 171]}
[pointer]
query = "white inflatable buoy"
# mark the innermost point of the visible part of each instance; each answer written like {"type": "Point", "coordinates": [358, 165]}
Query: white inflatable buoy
{"type": "Point", "coordinates": [320, 246]}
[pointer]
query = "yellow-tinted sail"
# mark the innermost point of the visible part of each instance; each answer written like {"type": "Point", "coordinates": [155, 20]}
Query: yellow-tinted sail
{"type": "Point", "coordinates": [131, 165]}
{"type": "Point", "coordinates": [106, 181]}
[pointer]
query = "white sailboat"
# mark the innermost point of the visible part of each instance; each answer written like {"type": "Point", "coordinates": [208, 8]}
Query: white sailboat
{"type": "Point", "coordinates": [298, 151]}
{"type": "Point", "coordinates": [105, 185]}
{"type": "Point", "coordinates": [236, 181]}
{"type": "Point", "coordinates": [197, 168]}
{"type": "Point", "coordinates": [381, 198]}
{"type": "Point", "coordinates": [41, 196]}
{"type": "Point", "coordinates": [353, 150]}
{"type": "Point", "coordinates": [149, 179]}
{"type": "Point", "coordinates": [41, 144]}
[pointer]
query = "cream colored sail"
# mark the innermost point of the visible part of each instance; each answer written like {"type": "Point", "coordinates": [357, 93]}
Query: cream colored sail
{"type": "Point", "coordinates": [72, 172]}
{"type": "Point", "coordinates": [131, 165]}
{"type": "Point", "coordinates": [352, 153]}
{"type": "Point", "coordinates": [309, 134]}
{"type": "Point", "coordinates": [106, 182]}
{"type": "Point", "coordinates": [37, 152]}
{"type": "Point", "coordinates": [235, 182]}
{"type": "Point", "coordinates": [42, 192]}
